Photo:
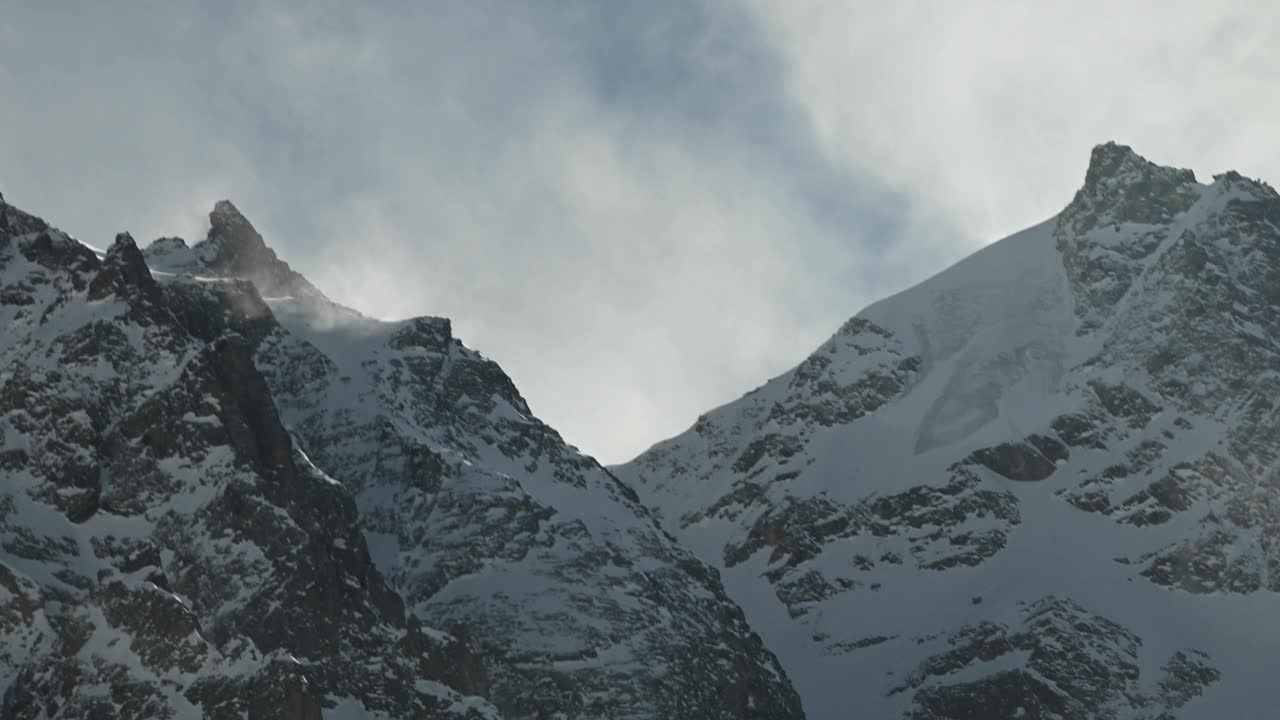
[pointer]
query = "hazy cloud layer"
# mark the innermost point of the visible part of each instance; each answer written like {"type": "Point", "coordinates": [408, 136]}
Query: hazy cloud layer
{"type": "Point", "coordinates": [639, 209]}
{"type": "Point", "coordinates": [986, 110]}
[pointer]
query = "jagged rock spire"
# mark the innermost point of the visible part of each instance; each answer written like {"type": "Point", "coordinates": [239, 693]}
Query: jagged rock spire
{"type": "Point", "coordinates": [234, 247]}
{"type": "Point", "coordinates": [1121, 186]}
{"type": "Point", "coordinates": [1112, 161]}
{"type": "Point", "coordinates": [123, 267]}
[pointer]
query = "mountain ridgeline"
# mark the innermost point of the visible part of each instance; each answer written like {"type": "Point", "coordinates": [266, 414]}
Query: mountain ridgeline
{"type": "Point", "coordinates": [1044, 483]}
{"type": "Point", "coordinates": [223, 495]}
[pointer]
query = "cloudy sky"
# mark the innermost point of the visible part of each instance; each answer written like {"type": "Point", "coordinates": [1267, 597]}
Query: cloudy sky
{"type": "Point", "coordinates": [640, 209]}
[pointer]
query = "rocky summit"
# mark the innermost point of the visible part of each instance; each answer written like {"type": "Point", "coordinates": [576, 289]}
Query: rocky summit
{"type": "Point", "coordinates": [1044, 483]}
{"type": "Point", "coordinates": [223, 495]}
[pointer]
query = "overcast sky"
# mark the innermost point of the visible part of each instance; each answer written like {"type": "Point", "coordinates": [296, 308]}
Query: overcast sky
{"type": "Point", "coordinates": [639, 209]}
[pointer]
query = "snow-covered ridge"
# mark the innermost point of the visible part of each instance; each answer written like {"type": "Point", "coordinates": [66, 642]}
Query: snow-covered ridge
{"type": "Point", "coordinates": [1081, 413]}
{"type": "Point", "coordinates": [222, 493]}
{"type": "Point", "coordinates": [232, 248]}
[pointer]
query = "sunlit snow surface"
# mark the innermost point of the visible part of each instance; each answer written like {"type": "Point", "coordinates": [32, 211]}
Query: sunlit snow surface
{"type": "Point", "coordinates": [1000, 355]}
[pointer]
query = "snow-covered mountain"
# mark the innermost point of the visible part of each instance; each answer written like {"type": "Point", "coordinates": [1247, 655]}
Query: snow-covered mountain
{"type": "Point", "coordinates": [223, 495]}
{"type": "Point", "coordinates": [1042, 484]}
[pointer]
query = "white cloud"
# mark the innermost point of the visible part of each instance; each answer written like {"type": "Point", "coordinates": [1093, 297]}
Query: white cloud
{"type": "Point", "coordinates": [986, 111]}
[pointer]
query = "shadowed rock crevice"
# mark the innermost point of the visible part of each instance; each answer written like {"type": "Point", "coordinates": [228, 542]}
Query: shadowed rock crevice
{"type": "Point", "coordinates": [1031, 460]}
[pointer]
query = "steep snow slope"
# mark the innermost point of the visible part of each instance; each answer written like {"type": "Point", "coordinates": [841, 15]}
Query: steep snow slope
{"type": "Point", "coordinates": [1041, 484]}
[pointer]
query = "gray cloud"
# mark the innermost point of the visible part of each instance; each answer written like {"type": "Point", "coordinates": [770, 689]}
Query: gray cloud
{"type": "Point", "coordinates": [639, 209]}
{"type": "Point", "coordinates": [615, 201]}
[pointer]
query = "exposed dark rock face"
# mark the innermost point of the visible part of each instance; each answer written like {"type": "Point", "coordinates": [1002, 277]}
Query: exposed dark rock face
{"type": "Point", "coordinates": [1031, 460]}
{"type": "Point", "coordinates": [167, 552]}
{"type": "Point", "coordinates": [1121, 188]}
{"type": "Point", "coordinates": [925, 522]}
{"type": "Point", "coordinates": [1202, 329]}
{"type": "Point", "coordinates": [1078, 666]}
{"type": "Point", "coordinates": [233, 248]}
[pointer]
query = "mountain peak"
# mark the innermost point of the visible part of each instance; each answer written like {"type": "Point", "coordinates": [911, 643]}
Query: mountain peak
{"type": "Point", "coordinates": [1122, 354]}
{"type": "Point", "coordinates": [232, 232]}
{"type": "Point", "coordinates": [1112, 165]}
{"type": "Point", "coordinates": [1122, 186]}
{"type": "Point", "coordinates": [234, 247]}
{"type": "Point", "coordinates": [227, 223]}
{"type": "Point", "coordinates": [227, 210]}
